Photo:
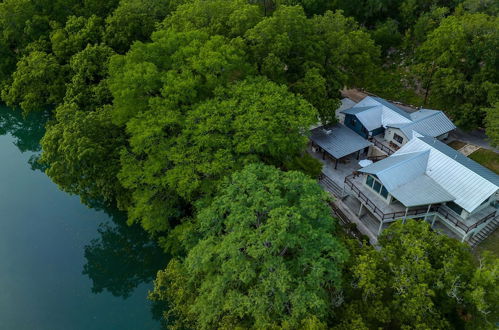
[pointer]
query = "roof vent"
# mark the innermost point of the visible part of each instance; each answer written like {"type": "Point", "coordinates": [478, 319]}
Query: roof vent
{"type": "Point", "coordinates": [328, 131]}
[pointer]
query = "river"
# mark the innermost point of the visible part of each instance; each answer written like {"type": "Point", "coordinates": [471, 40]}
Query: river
{"type": "Point", "coordinates": [64, 265]}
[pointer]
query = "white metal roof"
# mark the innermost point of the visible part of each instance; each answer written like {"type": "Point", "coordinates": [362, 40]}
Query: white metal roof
{"type": "Point", "coordinates": [427, 170]}
{"type": "Point", "coordinates": [429, 123]}
{"type": "Point", "coordinates": [398, 170]}
{"type": "Point", "coordinates": [374, 112]}
{"type": "Point", "coordinates": [423, 190]}
{"type": "Point", "coordinates": [469, 182]}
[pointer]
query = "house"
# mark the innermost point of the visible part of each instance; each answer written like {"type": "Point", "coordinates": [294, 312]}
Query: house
{"type": "Point", "coordinates": [426, 178]}
{"type": "Point", "coordinates": [374, 116]}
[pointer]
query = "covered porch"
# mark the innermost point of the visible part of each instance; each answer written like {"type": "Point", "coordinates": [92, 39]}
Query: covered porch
{"type": "Point", "coordinates": [337, 142]}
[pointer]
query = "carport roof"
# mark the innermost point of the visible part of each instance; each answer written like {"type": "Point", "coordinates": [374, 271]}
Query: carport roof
{"type": "Point", "coordinates": [338, 140]}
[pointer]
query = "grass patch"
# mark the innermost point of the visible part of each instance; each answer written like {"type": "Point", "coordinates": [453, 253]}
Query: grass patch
{"type": "Point", "coordinates": [491, 244]}
{"type": "Point", "coordinates": [487, 158]}
{"type": "Point", "coordinates": [456, 144]}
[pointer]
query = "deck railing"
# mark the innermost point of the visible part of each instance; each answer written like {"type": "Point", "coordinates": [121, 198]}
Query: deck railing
{"type": "Point", "coordinates": [383, 147]}
{"type": "Point", "coordinates": [455, 220]}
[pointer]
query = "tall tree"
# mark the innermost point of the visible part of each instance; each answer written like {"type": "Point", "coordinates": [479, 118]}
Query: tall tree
{"type": "Point", "coordinates": [422, 280]}
{"type": "Point", "coordinates": [133, 20]}
{"type": "Point", "coordinates": [154, 86]}
{"type": "Point", "coordinates": [38, 81]}
{"type": "Point", "coordinates": [254, 120]}
{"type": "Point", "coordinates": [459, 64]}
{"type": "Point", "coordinates": [256, 265]}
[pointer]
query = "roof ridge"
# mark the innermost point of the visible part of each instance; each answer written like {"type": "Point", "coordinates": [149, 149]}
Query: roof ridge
{"type": "Point", "coordinates": [418, 153]}
{"type": "Point", "coordinates": [437, 112]}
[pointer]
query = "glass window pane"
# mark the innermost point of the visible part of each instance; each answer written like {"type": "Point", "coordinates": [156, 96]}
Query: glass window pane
{"type": "Point", "coordinates": [369, 181]}
{"type": "Point", "coordinates": [384, 192]}
{"type": "Point", "coordinates": [377, 186]}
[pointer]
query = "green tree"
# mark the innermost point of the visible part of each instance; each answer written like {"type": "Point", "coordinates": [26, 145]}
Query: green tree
{"type": "Point", "coordinates": [154, 86]}
{"type": "Point", "coordinates": [221, 17]}
{"type": "Point", "coordinates": [76, 35]}
{"type": "Point", "coordinates": [255, 120]}
{"type": "Point", "coordinates": [256, 265]}
{"type": "Point", "coordinates": [458, 64]}
{"type": "Point", "coordinates": [38, 81]}
{"type": "Point", "coordinates": [387, 35]}
{"type": "Point", "coordinates": [492, 124]}
{"type": "Point", "coordinates": [82, 151]}
{"type": "Point", "coordinates": [420, 279]}
{"type": "Point", "coordinates": [346, 53]}
{"type": "Point", "coordinates": [133, 20]}
{"type": "Point", "coordinates": [313, 87]}
{"type": "Point", "coordinates": [89, 70]}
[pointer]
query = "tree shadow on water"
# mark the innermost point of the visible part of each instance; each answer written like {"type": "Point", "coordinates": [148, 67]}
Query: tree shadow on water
{"type": "Point", "coordinates": [26, 130]}
{"type": "Point", "coordinates": [122, 258]}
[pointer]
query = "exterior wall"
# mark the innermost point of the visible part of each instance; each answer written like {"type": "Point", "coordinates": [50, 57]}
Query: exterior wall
{"type": "Point", "coordinates": [378, 131]}
{"type": "Point", "coordinates": [491, 199]}
{"type": "Point", "coordinates": [355, 125]}
{"type": "Point", "coordinates": [389, 133]}
{"type": "Point", "coordinates": [376, 152]}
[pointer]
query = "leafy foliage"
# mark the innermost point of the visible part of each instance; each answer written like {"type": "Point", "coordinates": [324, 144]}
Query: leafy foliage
{"type": "Point", "coordinates": [38, 82]}
{"type": "Point", "coordinates": [255, 265]}
{"type": "Point", "coordinates": [422, 280]}
{"type": "Point", "coordinates": [459, 59]}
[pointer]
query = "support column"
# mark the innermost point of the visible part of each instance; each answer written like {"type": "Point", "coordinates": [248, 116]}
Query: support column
{"type": "Point", "coordinates": [336, 164]}
{"type": "Point", "coordinates": [360, 209]}
{"type": "Point", "coordinates": [405, 215]}
{"type": "Point", "coordinates": [433, 221]}
{"type": "Point", "coordinates": [380, 227]}
{"type": "Point", "coordinates": [427, 211]}
{"type": "Point", "coordinates": [358, 154]}
{"type": "Point", "coordinates": [323, 154]}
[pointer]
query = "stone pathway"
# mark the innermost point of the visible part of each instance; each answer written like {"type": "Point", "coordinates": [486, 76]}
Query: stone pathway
{"type": "Point", "coordinates": [468, 149]}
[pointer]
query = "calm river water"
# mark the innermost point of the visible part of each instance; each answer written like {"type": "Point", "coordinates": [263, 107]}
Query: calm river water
{"type": "Point", "coordinates": [64, 265]}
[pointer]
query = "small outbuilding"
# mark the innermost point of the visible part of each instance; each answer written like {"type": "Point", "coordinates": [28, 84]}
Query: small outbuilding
{"type": "Point", "coordinates": [337, 141]}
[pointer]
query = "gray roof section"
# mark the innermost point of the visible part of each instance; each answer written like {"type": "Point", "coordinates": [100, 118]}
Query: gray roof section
{"type": "Point", "coordinates": [431, 124]}
{"type": "Point", "coordinates": [398, 170]}
{"type": "Point", "coordinates": [423, 190]}
{"type": "Point", "coordinates": [354, 111]}
{"type": "Point", "coordinates": [392, 107]}
{"type": "Point", "coordinates": [463, 160]}
{"type": "Point", "coordinates": [338, 140]}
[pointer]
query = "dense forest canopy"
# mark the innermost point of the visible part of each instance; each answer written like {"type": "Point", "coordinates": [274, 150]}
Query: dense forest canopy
{"type": "Point", "coordinates": [192, 117]}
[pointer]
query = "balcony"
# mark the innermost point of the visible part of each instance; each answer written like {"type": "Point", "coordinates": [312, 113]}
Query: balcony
{"type": "Point", "coordinates": [384, 212]}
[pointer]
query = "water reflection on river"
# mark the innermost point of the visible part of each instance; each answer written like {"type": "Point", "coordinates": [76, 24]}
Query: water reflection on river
{"type": "Point", "coordinates": [64, 265]}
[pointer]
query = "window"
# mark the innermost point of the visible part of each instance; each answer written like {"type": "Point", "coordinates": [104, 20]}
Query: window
{"type": "Point", "coordinates": [369, 181]}
{"type": "Point", "coordinates": [384, 192]}
{"type": "Point", "coordinates": [398, 138]}
{"type": "Point", "coordinates": [376, 186]}
{"type": "Point", "coordinates": [454, 207]}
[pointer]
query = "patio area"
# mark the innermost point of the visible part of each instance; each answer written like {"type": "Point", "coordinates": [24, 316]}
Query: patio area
{"type": "Point", "coordinates": [346, 165]}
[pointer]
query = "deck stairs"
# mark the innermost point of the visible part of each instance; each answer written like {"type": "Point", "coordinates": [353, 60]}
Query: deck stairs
{"type": "Point", "coordinates": [331, 186]}
{"type": "Point", "coordinates": [478, 237]}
